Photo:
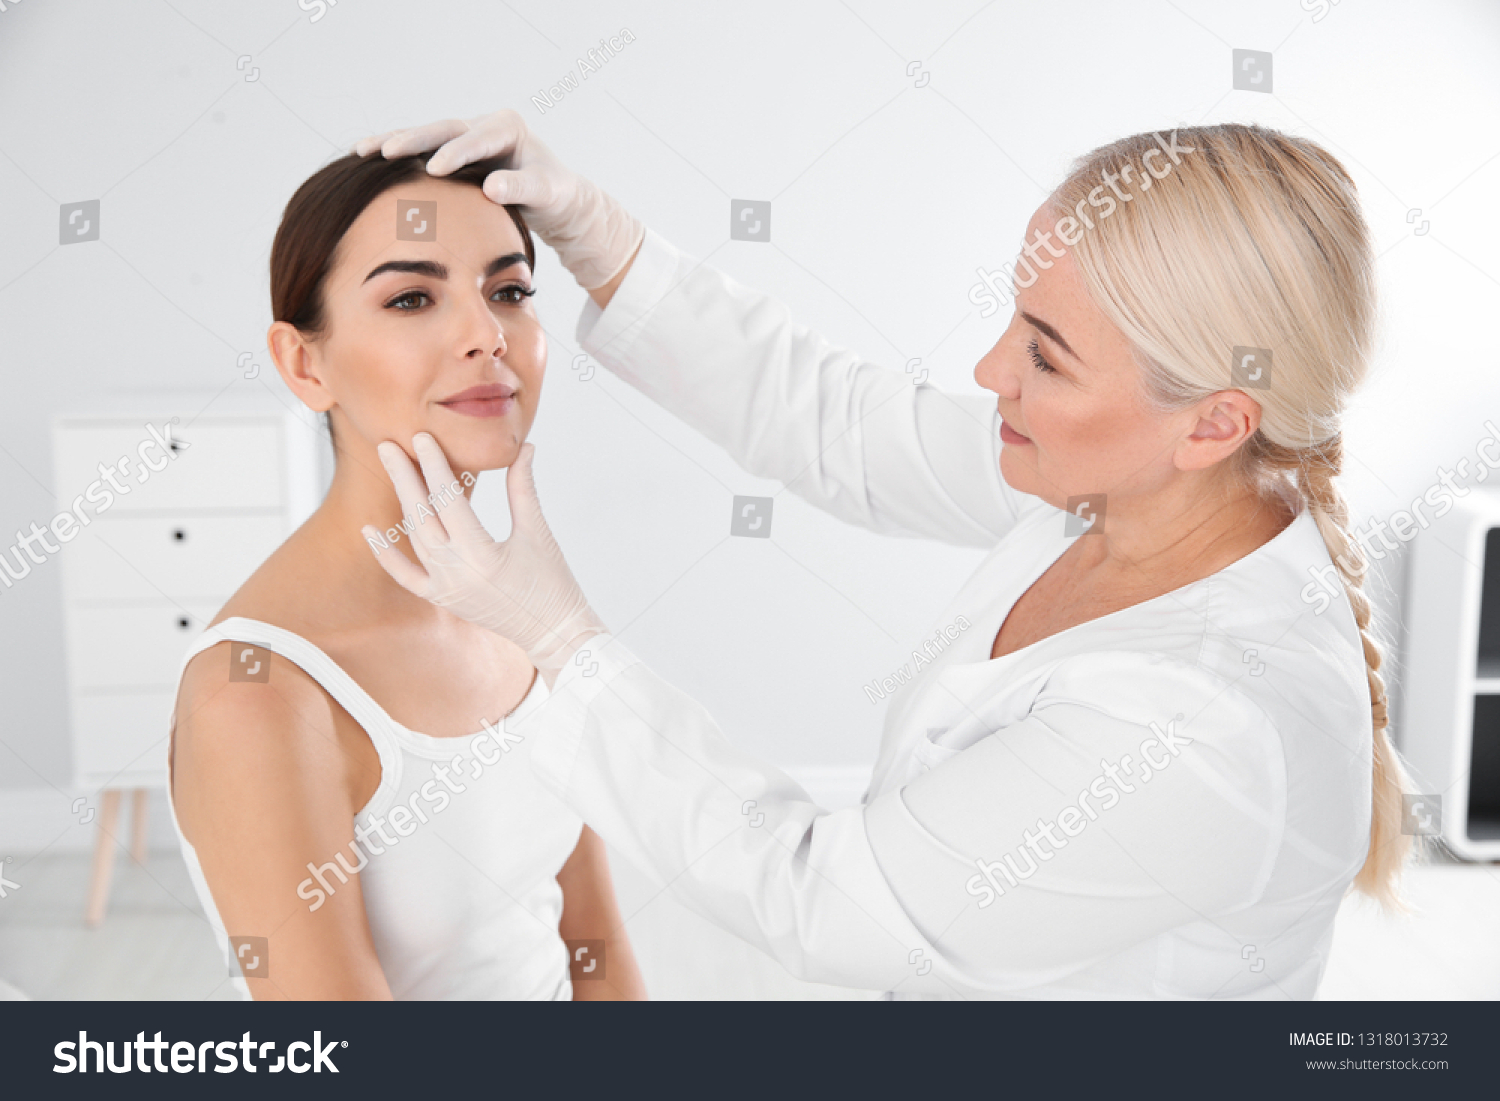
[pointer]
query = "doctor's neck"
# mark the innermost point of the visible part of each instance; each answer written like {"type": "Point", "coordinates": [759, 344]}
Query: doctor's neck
{"type": "Point", "coordinates": [1183, 532]}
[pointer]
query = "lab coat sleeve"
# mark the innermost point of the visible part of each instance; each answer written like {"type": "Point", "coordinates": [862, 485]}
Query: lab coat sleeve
{"type": "Point", "coordinates": [890, 895]}
{"type": "Point", "coordinates": [858, 440]}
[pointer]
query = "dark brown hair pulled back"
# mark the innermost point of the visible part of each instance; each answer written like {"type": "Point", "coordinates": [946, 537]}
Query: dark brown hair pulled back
{"type": "Point", "coordinates": [321, 212]}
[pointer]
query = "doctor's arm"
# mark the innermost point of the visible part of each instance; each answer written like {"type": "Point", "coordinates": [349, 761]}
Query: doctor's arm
{"type": "Point", "coordinates": [859, 440]}
{"type": "Point", "coordinates": [602, 295]}
{"type": "Point", "coordinates": [1016, 862]}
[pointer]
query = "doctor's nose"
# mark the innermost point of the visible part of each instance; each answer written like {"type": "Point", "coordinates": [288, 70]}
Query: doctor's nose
{"type": "Point", "coordinates": [996, 372]}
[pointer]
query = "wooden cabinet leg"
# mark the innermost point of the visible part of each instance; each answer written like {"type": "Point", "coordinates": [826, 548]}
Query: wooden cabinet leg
{"type": "Point", "coordinates": [138, 834]}
{"type": "Point", "coordinates": [104, 857]}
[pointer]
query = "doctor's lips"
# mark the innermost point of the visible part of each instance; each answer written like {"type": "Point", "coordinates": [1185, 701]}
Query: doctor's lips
{"type": "Point", "coordinates": [492, 400]}
{"type": "Point", "coordinates": [1010, 435]}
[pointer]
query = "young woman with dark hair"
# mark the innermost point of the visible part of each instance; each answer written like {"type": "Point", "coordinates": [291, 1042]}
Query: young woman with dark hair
{"type": "Point", "coordinates": [370, 809]}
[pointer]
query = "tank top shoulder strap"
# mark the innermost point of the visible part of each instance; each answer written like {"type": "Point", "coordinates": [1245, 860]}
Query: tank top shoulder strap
{"type": "Point", "coordinates": [323, 669]}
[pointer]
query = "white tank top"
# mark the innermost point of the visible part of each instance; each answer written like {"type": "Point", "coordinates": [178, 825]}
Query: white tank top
{"type": "Point", "coordinates": [463, 905]}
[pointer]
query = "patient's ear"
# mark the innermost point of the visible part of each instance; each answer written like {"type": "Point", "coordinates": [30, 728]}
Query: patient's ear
{"type": "Point", "coordinates": [298, 367]}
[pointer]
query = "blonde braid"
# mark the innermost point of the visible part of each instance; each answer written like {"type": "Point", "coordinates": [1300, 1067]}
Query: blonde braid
{"type": "Point", "coordinates": [1389, 847]}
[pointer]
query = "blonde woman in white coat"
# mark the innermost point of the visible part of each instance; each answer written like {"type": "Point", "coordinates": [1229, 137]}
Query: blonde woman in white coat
{"type": "Point", "coordinates": [1158, 760]}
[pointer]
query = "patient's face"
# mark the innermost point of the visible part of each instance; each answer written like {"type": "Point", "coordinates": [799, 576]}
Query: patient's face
{"type": "Point", "coordinates": [429, 335]}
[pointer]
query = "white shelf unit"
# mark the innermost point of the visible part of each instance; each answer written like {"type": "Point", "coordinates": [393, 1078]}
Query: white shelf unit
{"type": "Point", "coordinates": [147, 573]}
{"type": "Point", "coordinates": [1451, 715]}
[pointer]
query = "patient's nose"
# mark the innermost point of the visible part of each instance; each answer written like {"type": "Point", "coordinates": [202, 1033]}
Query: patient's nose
{"type": "Point", "coordinates": [489, 336]}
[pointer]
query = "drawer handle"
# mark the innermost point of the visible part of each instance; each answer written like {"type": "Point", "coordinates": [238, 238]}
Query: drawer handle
{"type": "Point", "coordinates": [183, 622]}
{"type": "Point", "coordinates": [179, 535]}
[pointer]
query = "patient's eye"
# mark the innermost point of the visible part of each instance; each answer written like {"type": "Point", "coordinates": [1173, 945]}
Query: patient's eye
{"type": "Point", "coordinates": [407, 297]}
{"type": "Point", "coordinates": [513, 293]}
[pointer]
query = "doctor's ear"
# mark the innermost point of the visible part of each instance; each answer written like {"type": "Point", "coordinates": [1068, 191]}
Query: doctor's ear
{"type": "Point", "coordinates": [297, 365]}
{"type": "Point", "coordinates": [1224, 421]}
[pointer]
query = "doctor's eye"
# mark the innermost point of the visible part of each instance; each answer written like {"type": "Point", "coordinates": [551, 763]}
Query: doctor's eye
{"type": "Point", "coordinates": [1036, 357]}
{"type": "Point", "coordinates": [520, 291]}
{"type": "Point", "coordinates": [407, 297]}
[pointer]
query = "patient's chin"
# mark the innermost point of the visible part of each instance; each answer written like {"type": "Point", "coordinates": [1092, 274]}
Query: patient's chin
{"type": "Point", "coordinates": [475, 455]}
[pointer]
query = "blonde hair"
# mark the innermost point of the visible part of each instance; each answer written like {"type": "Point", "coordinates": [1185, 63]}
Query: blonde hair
{"type": "Point", "coordinates": [1251, 238]}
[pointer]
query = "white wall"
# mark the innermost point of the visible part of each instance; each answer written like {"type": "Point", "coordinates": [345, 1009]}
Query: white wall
{"type": "Point", "coordinates": [886, 196]}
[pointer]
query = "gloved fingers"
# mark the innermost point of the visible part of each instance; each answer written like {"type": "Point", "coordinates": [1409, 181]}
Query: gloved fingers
{"type": "Point", "coordinates": [458, 517]}
{"type": "Point", "coordinates": [427, 530]}
{"type": "Point", "coordinates": [520, 490]}
{"type": "Point", "coordinates": [491, 136]}
{"type": "Point", "coordinates": [403, 571]}
{"type": "Point", "coordinates": [365, 146]}
{"type": "Point", "coordinates": [519, 187]}
{"type": "Point", "coordinates": [419, 139]}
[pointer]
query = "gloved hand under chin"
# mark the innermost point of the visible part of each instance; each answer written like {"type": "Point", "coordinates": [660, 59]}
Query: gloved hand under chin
{"type": "Point", "coordinates": [521, 589]}
{"type": "Point", "coordinates": [593, 234]}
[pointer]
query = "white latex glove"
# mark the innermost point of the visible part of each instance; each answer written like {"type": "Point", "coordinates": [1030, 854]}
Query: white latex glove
{"type": "Point", "coordinates": [521, 589]}
{"type": "Point", "coordinates": [593, 234]}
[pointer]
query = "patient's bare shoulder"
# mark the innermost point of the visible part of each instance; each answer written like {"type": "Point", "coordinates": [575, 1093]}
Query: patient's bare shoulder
{"type": "Point", "coordinates": [244, 745]}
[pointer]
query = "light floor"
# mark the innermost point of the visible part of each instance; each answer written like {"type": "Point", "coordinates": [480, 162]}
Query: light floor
{"type": "Point", "coordinates": [155, 943]}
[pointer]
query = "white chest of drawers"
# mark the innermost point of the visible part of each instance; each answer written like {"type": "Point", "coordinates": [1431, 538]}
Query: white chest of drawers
{"type": "Point", "coordinates": [152, 565]}
{"type": "Point", "coordinates": [149, 571]}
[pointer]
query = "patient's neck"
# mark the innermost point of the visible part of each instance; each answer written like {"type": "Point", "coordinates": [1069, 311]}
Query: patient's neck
{"type": "Point", "coordinates": [361, 493]}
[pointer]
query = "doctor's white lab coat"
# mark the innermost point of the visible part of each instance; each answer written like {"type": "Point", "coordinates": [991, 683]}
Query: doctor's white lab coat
{"type": "Point", "coordinates": [1166, 802]}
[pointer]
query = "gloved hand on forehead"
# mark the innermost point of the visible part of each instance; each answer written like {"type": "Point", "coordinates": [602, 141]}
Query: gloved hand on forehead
{"type": "Point", "coordinates": [594, 235]}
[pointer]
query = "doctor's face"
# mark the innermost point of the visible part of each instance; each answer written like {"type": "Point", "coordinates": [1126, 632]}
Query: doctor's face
{"type": "Point", "coordinates": [431, 336]}
{"type": "Point", "coordinates": [1075, 417]}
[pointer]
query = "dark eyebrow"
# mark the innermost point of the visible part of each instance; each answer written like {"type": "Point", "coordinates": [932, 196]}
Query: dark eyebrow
{"type": "Point", "coordinates": [1051, 333]}
{"type": "Point", "coordinates": [434, 270]}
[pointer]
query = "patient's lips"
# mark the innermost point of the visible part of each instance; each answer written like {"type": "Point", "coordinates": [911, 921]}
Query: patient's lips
{"type": "Point", "coordinates": [491, 400]}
